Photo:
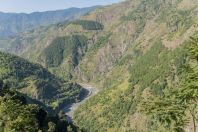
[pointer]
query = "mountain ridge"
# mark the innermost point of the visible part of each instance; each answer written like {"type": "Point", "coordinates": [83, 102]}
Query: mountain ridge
{"type": "Point", "coordinates": [96, 6]}
{"type": "Point", "coordinates": [14, 23]}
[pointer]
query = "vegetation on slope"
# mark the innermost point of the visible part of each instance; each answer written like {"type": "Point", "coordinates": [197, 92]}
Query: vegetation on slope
{"type": "Point", "coordinates": [178, 106]}
{"type": "Point", "coordinates": [64, 54]}
{"type": "Point", "coordinates": [145, 49]}
{"type": "Point", "coordinates": [139, 24]}
{"type": "Point", "coordinates": [153, 68]}
{"type": "Point", "coordinates": [63, 47]}
{"type": "Point", "coordinates": [17, 115]}
{"type": "Point", "coordinates": [153, 71]}
{"type": "Point", "coordinates": [36, 81]}
{"type": "Point", "coordinates": [89, 25]}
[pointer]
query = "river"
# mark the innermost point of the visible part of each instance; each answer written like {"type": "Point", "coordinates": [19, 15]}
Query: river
{"type": "Point", "coordinates": [89, 91]}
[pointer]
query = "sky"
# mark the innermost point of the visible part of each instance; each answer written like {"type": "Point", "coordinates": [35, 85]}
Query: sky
{"type": "Point", "coordinates": [28, 6]}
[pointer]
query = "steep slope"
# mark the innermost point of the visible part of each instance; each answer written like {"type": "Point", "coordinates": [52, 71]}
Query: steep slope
{"type": "Point", "coordinates": [140, 58]}
{"type": "Point", "coordinates": [134, 50]}
{"type": "Point", "coordinates": [59, 47]}
{"type": "Point", "coordinates": [14, 23]}
{"type": "Point", "coordinates": [135, 30]}
{"type": "Point", "coordinates": [17, 115]}
{"type": "Point", "coordinates": [36, 81]}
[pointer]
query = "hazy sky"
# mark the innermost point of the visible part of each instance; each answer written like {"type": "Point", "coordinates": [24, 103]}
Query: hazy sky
{"type": "Point", "coordinates": [44, 5]}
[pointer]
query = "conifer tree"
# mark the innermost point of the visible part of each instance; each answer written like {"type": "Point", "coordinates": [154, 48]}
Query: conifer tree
{"type": "Point", "coordinates": [171, 110]}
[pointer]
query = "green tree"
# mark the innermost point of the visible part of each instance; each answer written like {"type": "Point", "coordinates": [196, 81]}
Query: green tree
{"type": "Point", "coordinates": [14, 116]}
{"type": "Point", "coordinates": [188, 93]}
{"type": "Point", "coordinates": [51, 127]}
{"type": "Point", "coordinates": [167, 111]}
{"type": "Point", "coordinates": [172, 109]}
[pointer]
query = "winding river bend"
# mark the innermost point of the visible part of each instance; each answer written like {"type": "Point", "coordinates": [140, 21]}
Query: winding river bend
{"type": "Point", "coordinates": [89, 91]}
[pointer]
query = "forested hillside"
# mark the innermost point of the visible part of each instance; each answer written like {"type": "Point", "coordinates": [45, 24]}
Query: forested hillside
{"type": "Point", "coordinates": [36, 82]}
{"type": "Point", "coordinates": [139, 60]}
{"type": "Point", "coordinates": [60, 48]}
{"type": "Point", "coordinates": [17, 115]}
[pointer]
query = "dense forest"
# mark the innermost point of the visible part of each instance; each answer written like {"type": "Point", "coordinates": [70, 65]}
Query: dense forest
{"type": "Point", "coordinates": [17, 115]}
{"type": "Point", "coordinates": [176, 107]}
{"type": "Point", "coordinates": [61, 48]}
{"type": "Point", "coordinates": [36, 81]}
{"type": "Point", "coordinates": [89, 25]}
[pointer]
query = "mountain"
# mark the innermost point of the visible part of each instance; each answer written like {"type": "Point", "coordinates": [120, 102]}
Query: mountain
{"type": "Point", "coordinates": [134, 51]}
{"type": "Point", "coordinates": [36, 82]}
{"type": "Point", "coordinates": [17, 115]}
{"type": "Point", "coordinates": [14, 23]}
{"type": "Point", "coordinates": [59, 47]}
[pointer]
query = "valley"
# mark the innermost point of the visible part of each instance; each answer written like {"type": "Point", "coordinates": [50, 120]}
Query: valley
{"type": "Point", "coordinates": [89, 91]}
{"type": "Point", "coordinates": [129, 66]}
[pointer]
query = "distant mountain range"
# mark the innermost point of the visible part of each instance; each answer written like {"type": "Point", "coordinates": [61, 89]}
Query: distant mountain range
{"type": "Point", "coordinates": [13, 23]}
